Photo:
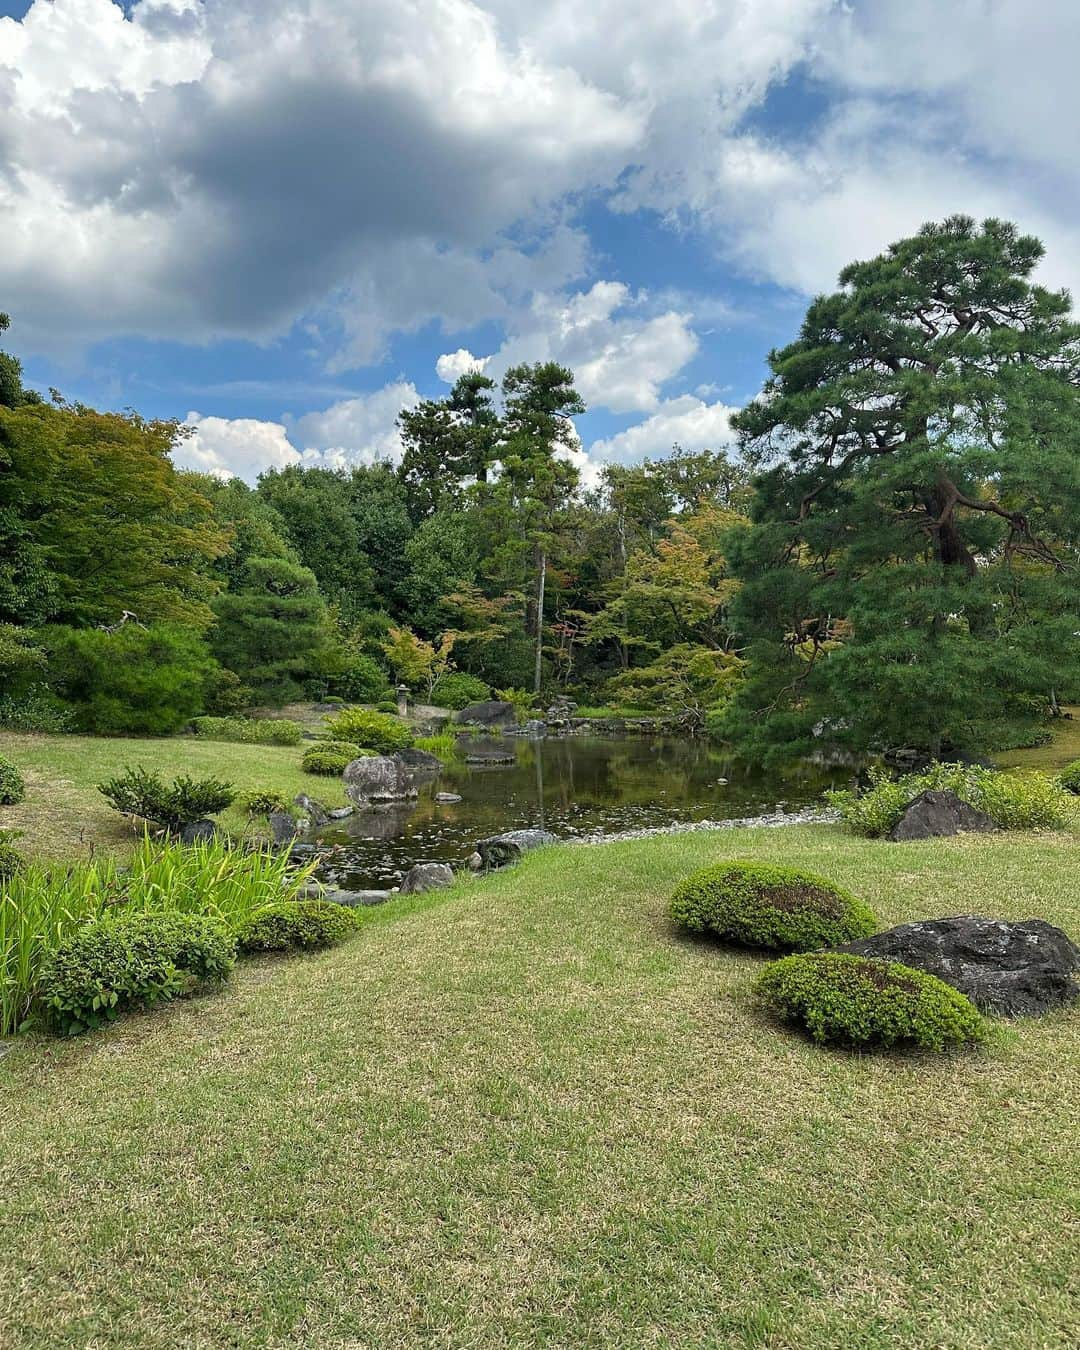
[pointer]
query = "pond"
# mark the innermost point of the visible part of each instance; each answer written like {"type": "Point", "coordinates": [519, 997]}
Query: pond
{"type": "Point", "coordinates": [573, 786]}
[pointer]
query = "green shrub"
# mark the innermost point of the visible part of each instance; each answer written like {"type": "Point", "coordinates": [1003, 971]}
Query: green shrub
{"type": "Point", "coordinates": [369, 730]}
{"type": "Point", "coordinates": [327, 763]}
{"type": "Point", "coordinates": [261, 801]}
{"type": "Point", "coordinates": [115, 963]}
{"type": "Point", "coordinates": [524, 702]}
{"type": "Point", "coordinates": [386, 705]}
{"type": "Point", "coordinates": [35, 710]}
{"type": "Point", "coordinates": [226, 694]}
{"type": "Point", "coordinates": [1014, 801]}
{"type": "Point", "coordinates": [249, 730]}
{"type": "Point", "coordinates": [456, 690]}
{"type": "Point", "coordinates": [10, 858]}
{"type": "Point", "coordinates": [363, 680]}
{"type": "Point", "coordinates": [759, 905]}
{"type": "Point", "coordinates": [139, 792]}
{"type": "Point", "coordinates": [136, 681]}
{"type": "Point", "coordinates": [12, 787]}
{"type": "Point", "coordinates": [298, 924]}
{"type": "Point", "coordinates": [1069, 778]}
{"type": "Point", "coordinates": [444, 746]}
{"type": "Point", "coordinates": [858, 1001]}
{"type": "Point", "coordinates": [340, 748]}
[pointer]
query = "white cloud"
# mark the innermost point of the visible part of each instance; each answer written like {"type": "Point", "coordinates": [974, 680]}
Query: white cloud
{"type": "Point", "coordinates": [357, 430]}
{"type": "Point", "coordinates": [452, 365]}
{"type": "Point", "coordinates": [686, 421]}
{"type": "Point", "coordinates": [240, 447]}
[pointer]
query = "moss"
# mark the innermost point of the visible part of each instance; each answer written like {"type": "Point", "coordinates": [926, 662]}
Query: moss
{"type": "Point", "coordinates": [298, 925]}
{"type": "Point", "coordinates": [779, 908]}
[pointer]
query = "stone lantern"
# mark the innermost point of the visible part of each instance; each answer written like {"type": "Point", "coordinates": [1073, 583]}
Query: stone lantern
{"type": "Point", "coordinates": [403, 700]}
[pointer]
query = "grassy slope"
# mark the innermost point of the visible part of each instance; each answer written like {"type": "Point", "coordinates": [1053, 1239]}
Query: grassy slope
{"type": "Point", "coordinates": [64, 813]}
{"type": "Point", "coordinates": [526, 1112]}
{"type": "Point", "coordinates": [1062, 750]}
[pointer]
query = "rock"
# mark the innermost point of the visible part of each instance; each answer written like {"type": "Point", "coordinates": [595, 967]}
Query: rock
{"type": "Point", "coordinates": [474, 862]}
{"type": "Point", "coordinates": [282, 827]}
{"type": "Point", "coordinates": [419, 762]}
{"type": "Point", "coordinates": [483, 757]}
{"type": "Point", "coordinates": [446, 798]}
{"type": "Point", "coordinates": [426, 877]}
{"type": "Point", "coordinates": [356, 899]}
{"type": "Point", "coordinates": [1018, 969]}
{"type": "Point", "coordinates": [315, 811]}
{"type": "Point", "coordinates": [341, 813]}
{"type": "Point", "coordinates": [491, 713]}
{"type": "Point", "coordinates": [198, 832]}
{"type": "Point", "coordinates": [535, 728]}
{"type": "Point", "coordinates": [935, 813]}
{"type": "Point", "coordinates": [502, 849]}
{"type": "Point", "coordinates": [378, 778]}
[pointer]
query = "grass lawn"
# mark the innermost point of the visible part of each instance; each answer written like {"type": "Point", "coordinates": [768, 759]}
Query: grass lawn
{"type": "Point", "coordinates": [526, 1112]}
{"type": "Point", "coordinates": [1052, 758]}
{"type": "Point", "coordinates": [63, 814]}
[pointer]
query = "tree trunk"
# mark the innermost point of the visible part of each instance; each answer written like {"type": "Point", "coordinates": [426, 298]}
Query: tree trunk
{"type": "Point", "coordinates": [541, 582]}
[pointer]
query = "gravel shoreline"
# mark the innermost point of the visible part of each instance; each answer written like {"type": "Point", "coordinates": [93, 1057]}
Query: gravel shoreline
{"type": "Point", "coordinates": [772, 820]}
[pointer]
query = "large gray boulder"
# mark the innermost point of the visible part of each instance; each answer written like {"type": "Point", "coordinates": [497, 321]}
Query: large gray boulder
{"type": "Point", "coordinates": [502, 849]}
{"type": "Point", "coordinates": [379, 778]}
{"type": "Point", "coordinates": [1018, 969]}
{"type": "Point", "coordinates": [283, 829]}
{"type": "Point", "coordinates": [492, 713]}
{"type": "Point", "coordinates": [198, 832]}
{"type": "Point", "coordinates": [937, 813]}
{"type": "Point", "coordinates": [426, 877]}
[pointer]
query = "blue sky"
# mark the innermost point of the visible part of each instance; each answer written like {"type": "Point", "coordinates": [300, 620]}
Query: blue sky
{"type": "Point", "coordinates": [284, 221]}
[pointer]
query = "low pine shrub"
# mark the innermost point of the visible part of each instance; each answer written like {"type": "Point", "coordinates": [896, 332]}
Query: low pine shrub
{"type": "Point", "coordinates": [1014, 801]}
{"type": "Point", "coordinates": [759, 905]}
{"type": "Point", "coordinates": [369, 730]}
{"type": "Point", "coordinates": [1069, 778]}
{"type": "Point", "coordinates": [12, 787]}
{"type": "Point", "coordinates": [138, 792]}
{"type": "Point", "coordinates": [849, 1000]}
{"type": "Point", "coordinates": [456, 690]}
{"type": "Point", "coordinates": [249, 730]}
{"type": "Point", "coordinates": [115, 963]}
{"type": "Point", "coordinates": [298, 925]}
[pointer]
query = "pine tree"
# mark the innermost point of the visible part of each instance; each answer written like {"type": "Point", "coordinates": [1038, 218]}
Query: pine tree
{"type": "Point", "coordinates": [910, 578]}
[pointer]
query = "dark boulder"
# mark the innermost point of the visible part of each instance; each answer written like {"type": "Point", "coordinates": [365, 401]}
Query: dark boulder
{"type": "Point", "coordinates": [1017, 969]}
{"type": "Point", "coordinates": [315, 811]}
{"type": "Point", "coordinates": [282, 827]}
{"type": "Point", "coordinates": [503, 849]}
{"type": "Point", "coordinates": [491, 713]}
{"type": "Point", "coordinates": [535, 728]}
{"type": "Point", "coordinates": [198, 832]}
{"type": "Point", "coordinates": [935, 814]}
{"type": "Point", "coordinates": [426, 877]}
{"type": "Point", "coordinates": [420, 763]}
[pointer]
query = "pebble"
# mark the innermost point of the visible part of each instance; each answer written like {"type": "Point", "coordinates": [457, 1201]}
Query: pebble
{"type": "Point", "coordinates": [772, 820]}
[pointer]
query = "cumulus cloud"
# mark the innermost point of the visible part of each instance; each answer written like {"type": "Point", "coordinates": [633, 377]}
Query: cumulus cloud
{"type": "Point", "coordinates": [452, 365]}
{"type": "Point", "coordinates": [240, 447]}
{"type": "Point", "coordinates": [357, 430]}
{"type": "Point", "coordinates": [687, 421]}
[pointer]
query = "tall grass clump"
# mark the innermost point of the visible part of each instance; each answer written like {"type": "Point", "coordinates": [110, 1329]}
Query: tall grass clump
{"type": "Point", "coordinates": [444, 746]}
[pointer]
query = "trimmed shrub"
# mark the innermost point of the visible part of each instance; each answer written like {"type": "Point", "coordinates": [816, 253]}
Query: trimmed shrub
{"type": "Point", "coordinates": [327, 763]}
{"type": "Point", "coordinates": [849, 1000]}
{"type": "Point", "coordinates": [113, 964]}
{"type": "Point", "coordinates": [759, 905]}
{"type": "Point", "coordinates": [10, 858]}
{"type": "Point", "coordinates": [304, 925]}
{"type": "Point", "coordinates": [1069, 778]}
{"type": "Point", "coordinates": [369, 730]}
{"type": "Point", "coordinates": [12, 787]}
{"type": "Point", "coordinates": [340, 748]}
{"type": "Point", "coordinates": [249, 730]}
{"type": "Point", "coordinates": [363, 680]}
{"type": "Point", "coordinates": [456, 690]}
{"type": "Point", "coordinates": [386, 705]}
{"type": "Point", "coordinates": [138, 792]}
{"type": "Point", "coordinates": [261, 801]}
{"type": "Point", "coordinates": [1014, 801]}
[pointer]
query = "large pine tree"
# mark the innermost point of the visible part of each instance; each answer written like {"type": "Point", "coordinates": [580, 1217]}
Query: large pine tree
{"type": "Point", "coordinates": [910, 578]}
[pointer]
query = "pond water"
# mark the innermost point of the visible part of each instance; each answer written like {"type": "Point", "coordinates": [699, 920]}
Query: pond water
{"type": "Point", "coordinates": [574, 786]}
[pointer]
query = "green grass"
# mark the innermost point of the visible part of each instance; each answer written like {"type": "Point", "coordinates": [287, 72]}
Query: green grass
{"type": "Point", "coordinates": [64, 816]}
{"type": "Point", "coordinates": [526, 1112]}
{"type": "Point", "coordinates": [1052, 758]}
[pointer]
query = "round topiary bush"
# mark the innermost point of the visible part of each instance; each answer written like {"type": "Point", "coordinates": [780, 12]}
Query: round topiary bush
{"type": "Point", "coordinates": [340, 748]}
{"type": "Point", "coordinates": [780, 908]}
{"type": "Point", "coordinates": [12, 787]}
{"type": "Point", "coordinates": [850, 1000]}
{"type": "Point", "coordinates": [371, 730]}
{"type": "Point", "coordinates": [297, 924]}
{"type": "Point", "coordinates": [1069, 778]}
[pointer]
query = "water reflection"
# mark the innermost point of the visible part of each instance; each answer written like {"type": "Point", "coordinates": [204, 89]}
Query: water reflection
{"type": "Point", "coordinates": [573, 786]}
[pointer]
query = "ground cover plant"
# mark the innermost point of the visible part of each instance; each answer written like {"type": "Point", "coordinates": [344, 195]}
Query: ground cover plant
{"type": "Point", "coordinates": [856, 1001]}
{"type": "Point", "coordinates": [249, 730]}
{"type": "Point", "coordinates": [524, 1112]}
{"type": "Point", "coordinates": [768, 906]}
{"type": "Point", "coordinates": [1013, 801]}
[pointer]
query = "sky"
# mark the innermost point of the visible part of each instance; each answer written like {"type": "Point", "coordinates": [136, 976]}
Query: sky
{"type": "Point", "coordinates": [283, 221]}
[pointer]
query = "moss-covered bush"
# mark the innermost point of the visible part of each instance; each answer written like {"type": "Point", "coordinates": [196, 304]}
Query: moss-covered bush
{"type": "Point", "coordinates": [328, 763]}
{"type": "Point", "coordinates": [850, 1000]}
{"type": "Point", "coordinates": [369, 730]}
{"type": "Point", "coordinates": [1014, 801]}
{"type": "Point", "coordinates": [298, 925]}
{"type": "Point", "coordinates": [115, 963]}
{"type": "Point", "coordinates": [456, 690]}
{"type": "Point", "coordinates": [249, 730]}
{"type": "Point", "coordinates": [779, 908]}
{"type": "Point", "coordinates": [1069, 778]}
{"type": "Point", "coordinates": [12, 787]}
